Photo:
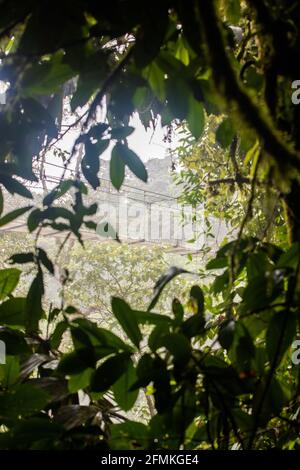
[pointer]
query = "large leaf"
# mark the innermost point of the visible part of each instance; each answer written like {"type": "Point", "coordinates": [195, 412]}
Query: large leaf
{"type": "Point", "coordinates": [125, 397]}
{"type": "Point", "coordinates": [34, 309]}
{"type": "Point", "coordinates": [109, 372]}
{"type": "Point", "coordinates": [178, 345]}
{"type": "Point", "coordinates": [23, 400]}
{"type": "Point", "coordinates": [12, 311]}
{"type": "Point", "coordinates": [127, 319]}
{"type": "Point", "coordinates": [131, 160]}
{"type": "Point", "coordinates": [102, 337]}
{"type": "Point", "coordinates": [280, 334]}
{"type": "Point", "coordinates": [226, 334]}
{"type": "Point", "coordinates": [117, 169]}
{"type": "Point", "coordinates": [80, 381]}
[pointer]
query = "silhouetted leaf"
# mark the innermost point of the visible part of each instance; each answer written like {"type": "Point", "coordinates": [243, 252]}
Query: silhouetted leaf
{"type": "Point", "coordinates": [117, 168]}
{"type": "Point", "coordinates": [43, 257]}
{"type": "Point", "coordinates": [7, 218]}
{"type": "Point", "coordinates": [163, 281]}
{"type": "Point", "coordinates": [21, 258]}
{"type": "Point", "coordinates": [122, 393]}
{"type": "Point", "coordinates": [131, 160]}
{"type": "Point", "coordinates": [280, 334]}
{"type": "Point", "coordinates": [121, 133]}
{"type": "Point", "coordinates": [15, 187]}
{"type": "Point", "coordinates": [127, 319]}
{"type": "Point", "coordinates": [109, 372]}
{"type": "Point", "coordinates": [34, 310]}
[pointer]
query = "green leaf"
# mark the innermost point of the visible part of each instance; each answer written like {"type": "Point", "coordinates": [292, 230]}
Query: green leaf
{"type": "Point", "coordinates": [109, 372]}
{"type": "Point", "coordinates": [131, 160]}
{"type": "Point", "coordinates": [280, 334]}
{"type": "Point", "coordinates": [7, 218]}
{"type": "Point", "coordinates": [289, 258]}
{"type": "Point", "coordinates": [233, 10]}
{"type": "Point", "coordinates": [196, 118]}
{"type": "Point", "coordinates": [9, 372]}
{"type": "Point", "coordinates": [76, 362]}
{"type": "Point", "coordinates": [179, 98]}
{"type": "Point", "coordinates": [125, 397]}
{"type": "Point", "coordinates": [225, 133]}
{"type": "Point", "coordinates": [22, 401]}
{"type": "Point", "coordinates": [221, 282]}
{"type": "Point", "coordinates": [80, 381]}
{"type": "Point", "coordinates": [9, 279]}
{"type": "Point", "coordinates": [162, 282]}
{"type": "Point", "coordinates": [127, 319]}
{"type": "Point", "coordinates": [46, 78]}
{"type": "Point", "coordinates": [182, 52]}
{"type": "Point", "coordinates": [34, 431]}
{"type": "Point", "coordinates": [218, 263]}
{"type": "Point", "coordinates": [129, 436]}
{"type": "Point", "coordinates": [12, 311]}
{"type": "Point", "coordinates": [155, 76]}
{"type": "Point", "coordinates": [257, 265]}
{"type": "Point", "coordinates": [117, 169]}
